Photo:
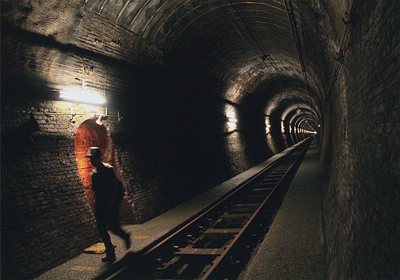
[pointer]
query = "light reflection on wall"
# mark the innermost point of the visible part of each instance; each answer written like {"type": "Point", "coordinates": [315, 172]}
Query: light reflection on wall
{"type": "Point", "coordinates": [85, 96]}
{"type": "Point", "coordinates": [230, 113]}
{"type": "Point", "coordinates": [267, 125]}
{"type": "Point", "coordinates": [79, 109]}
{"type": "Point", "coordinates": [270, 141]}
{"type": "Point", "coordinates": [235, 148]}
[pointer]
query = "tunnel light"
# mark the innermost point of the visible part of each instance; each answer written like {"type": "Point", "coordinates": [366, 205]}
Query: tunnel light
{"type": "Point", "coordinates": [267, 125]}
{"type": "Point", "coordinates": [230, 115]}
{"type": "Point", "coordinates": [99, 120]}
{"type": "Point", "coordinates": [82, 96]}
{"type": "Point", "coordinates": [231, 126]}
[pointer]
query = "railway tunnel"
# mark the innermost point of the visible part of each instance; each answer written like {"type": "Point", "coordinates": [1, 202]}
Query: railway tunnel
{"type": "Point", "coordinates": [187, 94]}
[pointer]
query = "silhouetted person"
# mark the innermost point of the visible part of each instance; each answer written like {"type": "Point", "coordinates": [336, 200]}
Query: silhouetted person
{"type": "Point", "coordinates": [104, 186]}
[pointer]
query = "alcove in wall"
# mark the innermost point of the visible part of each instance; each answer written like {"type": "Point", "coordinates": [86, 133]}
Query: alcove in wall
{"type": "Point", "coordinates": [89, 134]}
{"type": "Point", "coordinates": [92, 134]}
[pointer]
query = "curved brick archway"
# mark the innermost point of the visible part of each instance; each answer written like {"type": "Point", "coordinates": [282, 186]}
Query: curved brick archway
{"type": "Point", "coordinates": [89, 134]}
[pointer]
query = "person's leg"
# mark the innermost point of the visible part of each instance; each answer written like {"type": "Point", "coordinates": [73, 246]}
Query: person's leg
{"type": "Point", "coordinates": [101, 218]}
{"type": "Point", "coordinates": [115, 226]}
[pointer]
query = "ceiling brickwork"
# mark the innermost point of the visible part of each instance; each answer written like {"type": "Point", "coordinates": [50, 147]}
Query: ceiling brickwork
{"type": "Point", "coordinates": [227, 31]}
{"type": "Point", "coordinates": [245, 43]}
{"type": "Point", "coordinates": [258, 48]}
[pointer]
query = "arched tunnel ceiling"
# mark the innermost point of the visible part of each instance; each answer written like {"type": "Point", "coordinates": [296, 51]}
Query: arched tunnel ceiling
{"type": "Point", "coordinates": [246, 43]}
{"type": "Point", "coordinates": [181, 24]}
{"type": "Point", "coordinates": [225, 32]}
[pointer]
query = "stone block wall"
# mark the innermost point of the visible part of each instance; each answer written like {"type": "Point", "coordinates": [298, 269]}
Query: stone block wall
{"type": "Point", "coordinates": [362, 174]}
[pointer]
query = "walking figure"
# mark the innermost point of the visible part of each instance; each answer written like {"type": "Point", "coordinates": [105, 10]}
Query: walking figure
{"type": "Point", "coordinates": [104, 186]}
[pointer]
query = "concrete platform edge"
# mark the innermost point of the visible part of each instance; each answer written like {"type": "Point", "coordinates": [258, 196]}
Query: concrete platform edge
{"type": "Point", "coordinates": [294, 246]}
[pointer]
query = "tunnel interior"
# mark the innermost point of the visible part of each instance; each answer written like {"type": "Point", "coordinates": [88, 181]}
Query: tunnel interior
{"type": "Point", "coordinates": [196, 92]}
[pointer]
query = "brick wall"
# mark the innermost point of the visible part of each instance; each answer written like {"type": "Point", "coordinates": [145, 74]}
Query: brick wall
{"type": "Point", "coordinates": [165, 132]}
{"type": "Point", "coordinates": [46, 217]}
{"type": "Point", "coordinates": [361, 174]}
{"type": "Point", "coordinates": [46, 214]}
{"type": "Point", "coordinates": [170, 147]}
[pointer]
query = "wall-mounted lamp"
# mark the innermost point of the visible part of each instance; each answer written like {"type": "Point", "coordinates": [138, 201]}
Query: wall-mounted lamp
{"type": "Point", "coordinates": [81, 96]}
{"type": "Point", "coordinates": [232, 124]}
{"type": "Point", "coordinates": [230, 114]}
{"type": "Point", "coordinates": [99, 120]}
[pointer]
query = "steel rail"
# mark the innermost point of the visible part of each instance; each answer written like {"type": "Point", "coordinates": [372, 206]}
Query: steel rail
{"type": "Point", "coordinates": [224, 198]}
{"type": "Point", "coordinates": [221, 255]}
{"type": "Point", "coordinates": [251, 221]}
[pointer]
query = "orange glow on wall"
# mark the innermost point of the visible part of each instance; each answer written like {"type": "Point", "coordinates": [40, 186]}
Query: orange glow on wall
{"type": "Point", "coordinates": [89, 134]}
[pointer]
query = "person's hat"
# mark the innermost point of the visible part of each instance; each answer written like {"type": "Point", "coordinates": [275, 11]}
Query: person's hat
{"type": "Point", "coordinates": [94, 152]}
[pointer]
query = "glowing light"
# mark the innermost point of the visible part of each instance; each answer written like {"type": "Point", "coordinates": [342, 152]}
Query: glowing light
{"type": "Point", "coordinates": [230, 114]}
{"type": "Point", "coordinates": [82, 96]}
{"type": "Point", "coordinates": [267, 125]}
{"type": "Point", "coordinates": [99, 120]}
{"type": "Point", "coordinates": [231, 125]}
{"type": "Point", "coordinates": [231, 118]}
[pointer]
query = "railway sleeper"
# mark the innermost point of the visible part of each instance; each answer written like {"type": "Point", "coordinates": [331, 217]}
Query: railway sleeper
{"type": "Point", "coordinates": [210, 241]}
{"type": "Point", "coordinates": [169, 264]}
{"type": "Point", "coordinates": [271, 180]}
{"type": "Point", "coordinates": [223, 234]}
{"type": "Point", "coordinates": [200, 251]}
{"type": "Point", "coordinates": [253, 198]}
{"type": "Point", "coordinates": [244, 208]}
{"type": "Point", "coordinates": [222, 223]}
{"type": "Point", "coordinates": [262, 190]}
{"type": "Point", "coordinates": [272, 177]}
{"type": "Point", "coordinates": [236, 219]}
{"type": "Point", "coordinates": [181, 267]}
{"type": "Point", "coordinates": [279, 172]}
{"type": "Point", "coordinates": [266, 184]}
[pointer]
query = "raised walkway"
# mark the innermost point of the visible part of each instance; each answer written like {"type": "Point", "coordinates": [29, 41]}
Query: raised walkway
{"type": "Point", "coordinates": [292, 249]}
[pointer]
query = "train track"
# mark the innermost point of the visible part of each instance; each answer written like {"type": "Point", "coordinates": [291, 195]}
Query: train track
{"type": "Point", "coordinates": [220, 241]}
